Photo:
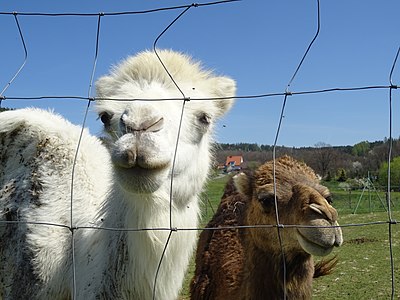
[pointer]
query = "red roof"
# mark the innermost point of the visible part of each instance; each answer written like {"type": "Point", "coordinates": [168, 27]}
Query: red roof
{"type": "Point", "coordinates": [234, 160]}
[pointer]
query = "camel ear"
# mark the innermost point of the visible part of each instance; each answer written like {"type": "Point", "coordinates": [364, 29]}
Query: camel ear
{"type": "Point", "coordinates": [223, 87]}
{"type": "Point", "coordinates": [242, 183]}
{"type": "Point", "coordinates": [104, 86]}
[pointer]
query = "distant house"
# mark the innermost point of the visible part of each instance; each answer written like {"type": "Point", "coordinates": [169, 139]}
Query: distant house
{"type": "Point", "coordinates": [233, 163]}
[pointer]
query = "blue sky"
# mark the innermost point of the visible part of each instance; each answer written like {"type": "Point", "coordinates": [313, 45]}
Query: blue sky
{"type": "Point", "coordinates": [258, 43]}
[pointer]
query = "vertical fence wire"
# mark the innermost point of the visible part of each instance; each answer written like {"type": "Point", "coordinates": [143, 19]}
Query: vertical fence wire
{"type": "Point", "coordinates": [388, 197]}
{"type": "Point", "coordinates": [73, 172]}
{"type": "Point", "coordinates": [185, 99]}
{"type": "Point", "coordinates": [287, 92]}
{"type": "Point", "coordinates": [21, 37]}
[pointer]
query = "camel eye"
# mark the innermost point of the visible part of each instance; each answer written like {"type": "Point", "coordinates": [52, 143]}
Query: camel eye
{"type": "Point", "coordinates": [105, 117]}
{"type": "Point", "coordinates": [204, 119]}
{"type": "Point", "coordinates": [267, 200]}
{"type": "Point", "coordinates": [329, 199]}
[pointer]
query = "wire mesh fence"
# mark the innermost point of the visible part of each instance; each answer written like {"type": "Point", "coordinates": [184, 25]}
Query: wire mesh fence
{"type": "Point", "coordinates": [177, 13]}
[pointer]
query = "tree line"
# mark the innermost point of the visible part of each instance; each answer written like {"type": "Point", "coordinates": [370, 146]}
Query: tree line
{"type": "Point", "coordinates": [330, 162]}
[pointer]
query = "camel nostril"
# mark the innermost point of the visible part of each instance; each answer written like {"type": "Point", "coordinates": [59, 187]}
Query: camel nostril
{"type": "Point", "coordinates": [150, 125]}
{"type": "Point", "coordinates": [339, 240]}
{"type": "Point", "coordinates": [130, 157]}
{"type": "Point", "coordinates": [126, 159]}
{"type": "Point", "coordinates": [156, 126]}
{"type": "Point", "coordinates": [338, 236]}
{"type": "Point", "coordinates": [126, 125]}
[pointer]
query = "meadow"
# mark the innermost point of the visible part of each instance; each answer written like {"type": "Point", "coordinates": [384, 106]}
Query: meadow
{"type": "Point", "coordinates": [364, 267]}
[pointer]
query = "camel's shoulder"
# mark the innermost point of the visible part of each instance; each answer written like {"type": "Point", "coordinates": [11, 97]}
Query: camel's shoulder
{"type": "Point", "coordinates": [38, 152]}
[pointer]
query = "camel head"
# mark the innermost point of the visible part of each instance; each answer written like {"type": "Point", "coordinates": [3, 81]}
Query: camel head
{"type": "Point", "coordinates": [301, 200]}
{"type": "Point", "coordinates": [141, 127]}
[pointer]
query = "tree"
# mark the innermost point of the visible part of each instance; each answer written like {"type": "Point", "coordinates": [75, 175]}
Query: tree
{"type": "Point", "coordinates": [361, 148]}
{"type": "Point", "coordinates": [341, 175]}
{"type": "Point", "coordinates": [251, 165]}
{"type": "Point", "coordinates": [356, 169]}
{"type": "Point", "coordinates": [394, 173]}
{"type": "Point", "coordinates": [323, 158]}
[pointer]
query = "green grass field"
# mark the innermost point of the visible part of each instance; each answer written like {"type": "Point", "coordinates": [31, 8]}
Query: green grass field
{"type": "Point", "coordinates": [364, 268]}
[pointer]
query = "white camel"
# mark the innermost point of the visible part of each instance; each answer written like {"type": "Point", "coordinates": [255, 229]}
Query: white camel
{"type": "Point", "coordinates": [121, 181]}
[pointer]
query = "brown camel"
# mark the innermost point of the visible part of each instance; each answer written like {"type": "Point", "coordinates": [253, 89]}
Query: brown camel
{"type": "Point", "coordinates": [247, 263]}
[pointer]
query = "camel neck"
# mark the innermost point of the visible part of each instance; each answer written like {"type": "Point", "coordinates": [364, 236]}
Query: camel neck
{"type": "Point", "coordinates": [264, 273]}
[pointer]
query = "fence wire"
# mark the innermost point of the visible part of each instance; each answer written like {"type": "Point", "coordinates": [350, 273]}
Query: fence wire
{"type": "Point", "coordinates": [184, 9]}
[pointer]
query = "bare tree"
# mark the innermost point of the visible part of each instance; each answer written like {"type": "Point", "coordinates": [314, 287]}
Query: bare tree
{"type": "Point", "coordinates": [323, 158]}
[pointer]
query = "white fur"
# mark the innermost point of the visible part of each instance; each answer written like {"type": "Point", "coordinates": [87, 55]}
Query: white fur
{"type": "Point", "coordinates": [121, 182]}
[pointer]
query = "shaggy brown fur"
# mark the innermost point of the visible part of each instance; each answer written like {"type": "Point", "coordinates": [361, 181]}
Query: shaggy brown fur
{"type": "Point", "coordinates": [247, 263]}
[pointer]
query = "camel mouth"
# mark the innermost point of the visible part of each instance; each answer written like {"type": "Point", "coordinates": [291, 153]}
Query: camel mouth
{"type": "Point", "coordinates": [313, 247]}
{"type": "Point", "coordinates": [141, 171]}
{"type": "Point", "coordinates": [141, 180]}
{"type": "Point", "coordinates": [141, 176]}
{"type": "Point", "coordinates": [140, 167]}
{"type": "Point", "coordinates": [132, 162]}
